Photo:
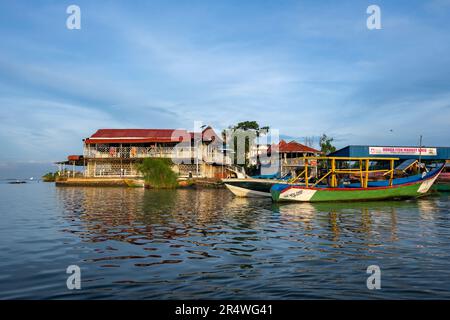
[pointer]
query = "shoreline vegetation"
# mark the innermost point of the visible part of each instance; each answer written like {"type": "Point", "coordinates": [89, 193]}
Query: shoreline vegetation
{"type": "Point", "coordinates": [50, 177]}
{"type": "Point", "coordinates": [158, 173]}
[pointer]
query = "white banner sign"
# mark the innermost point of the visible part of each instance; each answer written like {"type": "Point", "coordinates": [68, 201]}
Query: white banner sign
{"type": "Point", "coordinates": [409, 151]}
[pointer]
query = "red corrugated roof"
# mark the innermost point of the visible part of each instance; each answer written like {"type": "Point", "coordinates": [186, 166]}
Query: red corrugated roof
{"type": "Point", "coordinates": [294, 146]}
{"type": "Point", "coordinates": [208, 134]}
{"type": "Point", "coordinates": [133, 133]}
{"type": "Point", "coordinates": [148, 135]}
{"type": "Point", "coordinates": [74, 157]}
{"type": "Point", "coordinates": [137, 136]}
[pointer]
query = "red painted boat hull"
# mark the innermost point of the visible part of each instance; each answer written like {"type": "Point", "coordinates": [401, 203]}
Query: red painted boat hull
{"type": "Point", "coordinates": [444, 177]}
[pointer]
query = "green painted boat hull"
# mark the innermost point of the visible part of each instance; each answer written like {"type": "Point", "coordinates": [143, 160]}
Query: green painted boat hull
{"type": "Point", "coordinates": [300, 193]}
{"type": "Point", "coordinates": [442, 187]}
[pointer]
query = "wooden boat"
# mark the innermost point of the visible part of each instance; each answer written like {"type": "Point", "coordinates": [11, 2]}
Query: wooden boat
{"type": "Point", "coordinates": [406, 187]}
{"type": "Point", "coordinates": [250, 187]}
{"type": "Point", "coordinates": [17, 182]}
{"type": "Point", "coordinates": [443, 181]}
{"type": "Point", "coordinates": [441, 186]}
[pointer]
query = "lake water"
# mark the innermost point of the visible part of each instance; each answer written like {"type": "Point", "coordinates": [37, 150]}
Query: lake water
{"type": "Point", "coordinates": [188, 244]}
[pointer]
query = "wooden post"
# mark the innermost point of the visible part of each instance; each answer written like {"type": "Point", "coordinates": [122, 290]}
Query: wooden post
{"type": "Point", "coordinates": [391, 180]}
{"type": "Point", "coordinates": [121, 157]}
{"type": "Point", "coordinates": [361, 178]}
{"type": "Point", "coordinates": [316, 169]}
{"type": "Point", "coordinates": [366, 180]}
{"type": "Point", "coordinates": [280, 156]}
{"type": "Point", "coordinates": [196, 157]}
{"type": "Point", "coordinates": [333, 173]}
{"type": "Point", "coordinates": [306, 172]}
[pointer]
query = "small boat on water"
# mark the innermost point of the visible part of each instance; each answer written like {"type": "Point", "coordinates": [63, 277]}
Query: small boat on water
{"type": "Point", "coordinates": [250, 187]}
{"type": "Point", "coordinates": [443, 181]}
{"type": "Point", "coordinates": [17, 182]}
{"type": "Point", "coordinates": [335, 190]}
{"type": "Point", "coordinates": [253, 186]}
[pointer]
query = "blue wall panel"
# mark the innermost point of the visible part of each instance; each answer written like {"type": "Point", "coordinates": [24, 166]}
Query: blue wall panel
{"type": "Point", "coordinates": [443, 153]}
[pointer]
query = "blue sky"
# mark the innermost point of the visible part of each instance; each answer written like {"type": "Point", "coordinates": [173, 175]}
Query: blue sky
{"type": "Point", "coordinates": [304, 67]}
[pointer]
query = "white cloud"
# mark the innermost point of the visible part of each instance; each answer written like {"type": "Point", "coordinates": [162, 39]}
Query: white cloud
{"type": "Point", "coordinates": [44, 130]}
{"type": "Point", "coordinates": [324, 72]}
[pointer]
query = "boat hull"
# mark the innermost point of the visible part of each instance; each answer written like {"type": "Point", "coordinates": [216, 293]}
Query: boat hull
{"type": "Point", "coordinates": [286, 192]}
{"type": "Point", "coordinates": [443, 182]}
{"type": "Point", "coordinates": [250, 187]}
{"type": "Point", "coordinates": [442, 186]}
{"type": "Point", "coordinates": [444, 177]}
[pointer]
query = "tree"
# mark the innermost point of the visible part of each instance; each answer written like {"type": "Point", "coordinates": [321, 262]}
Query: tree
{"type": "Point", "coordinates": [325, 144]}
{"type": "Point", "coordinates": [247, 125]}
{"type": "Point", "coordinates": [50, 177]}
{"type": "Point", "coordinates": [251, 131]}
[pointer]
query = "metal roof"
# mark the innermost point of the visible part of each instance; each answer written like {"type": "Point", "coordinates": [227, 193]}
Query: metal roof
{"type": "Point", "coordinates": [149, 135]}
{"type": "Point", "coordinates": [442, 153]}
{"type": "Point", "coordinates": [137, 136]}
{"type": "Point", "coordinates": [293, 147]}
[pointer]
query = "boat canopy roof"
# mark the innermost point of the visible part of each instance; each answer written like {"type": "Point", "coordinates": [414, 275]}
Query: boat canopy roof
{"type": "Point", "coordinates": [350, 158]}
{"type": "Point", "coordinates": [405, 165]}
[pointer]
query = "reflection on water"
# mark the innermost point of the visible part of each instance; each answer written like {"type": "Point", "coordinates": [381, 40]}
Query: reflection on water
{"type": "Point", "coordinates": [135, 243]}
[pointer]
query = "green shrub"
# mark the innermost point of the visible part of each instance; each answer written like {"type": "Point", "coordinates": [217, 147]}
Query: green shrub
{"type": "Point", "coordinates": [158, 173]}
{"type": "Point", "coordinates": [50, 177]}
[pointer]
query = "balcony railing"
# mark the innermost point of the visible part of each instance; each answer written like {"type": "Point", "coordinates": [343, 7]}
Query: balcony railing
{"type": "Point", "coordinates": [293, 162]}
{"type": "Point", "coordinates": [176, 154]}
{"type": "Point", "coordinates": [137, 152]}
{"type": "Point", "coordinates": [217, 158]}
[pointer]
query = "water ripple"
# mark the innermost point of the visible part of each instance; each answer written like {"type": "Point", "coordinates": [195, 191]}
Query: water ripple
{"type": "Point", "coordinates": [188, 244]}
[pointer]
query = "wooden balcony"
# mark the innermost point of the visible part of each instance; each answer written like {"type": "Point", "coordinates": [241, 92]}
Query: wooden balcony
{"type": "Point", "coordinates": [177, 154]}
{"type": "Point", "coordinates": [137, 152]}
{"type": "Point", "coordinates": [294, 162]}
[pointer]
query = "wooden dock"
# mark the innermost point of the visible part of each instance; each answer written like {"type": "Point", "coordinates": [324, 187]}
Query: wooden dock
{"type": "Point", "coordinates": [99, 182]}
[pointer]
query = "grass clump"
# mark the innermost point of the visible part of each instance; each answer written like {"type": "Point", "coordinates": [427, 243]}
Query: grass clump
{"type": "Point", "coordinates": [50, 177]}
{"type": "Point", "coordinates": [158, 173]}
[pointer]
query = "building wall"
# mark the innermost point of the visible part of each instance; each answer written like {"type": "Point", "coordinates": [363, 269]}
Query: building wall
{"type": "Point", "coordinates": [119, 160]}
{"type": "Point", "coordinates": [111, 168]}
{"type": "Point", "coordinates": [127, 169]}
{"type": "Point", "coordinates": [443, 153]}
